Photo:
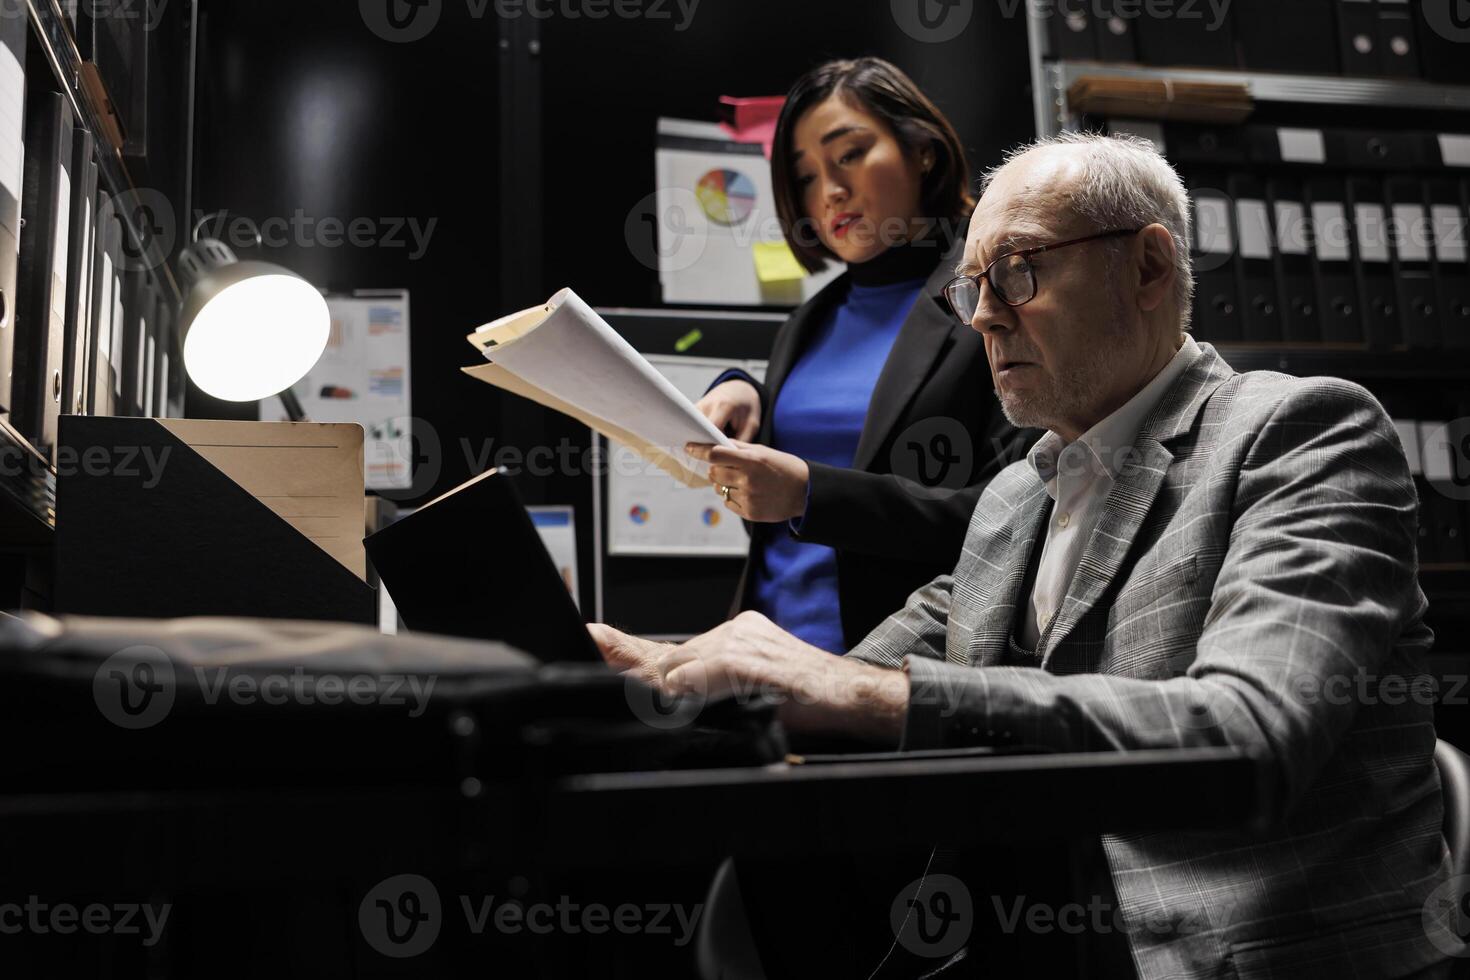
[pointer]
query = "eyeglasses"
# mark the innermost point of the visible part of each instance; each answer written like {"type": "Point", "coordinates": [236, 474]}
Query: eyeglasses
{"type": "Point", "coordinates": [1011, 276]}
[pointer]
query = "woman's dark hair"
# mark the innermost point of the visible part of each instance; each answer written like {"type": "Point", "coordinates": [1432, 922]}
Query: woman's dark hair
{"type": "Point", "coordinates": [885, 91]}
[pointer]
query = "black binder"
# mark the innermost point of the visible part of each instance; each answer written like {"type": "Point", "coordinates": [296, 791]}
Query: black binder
{"type": "Point", "coordinates": [1451, 260]}
{"type": "Point", "coordinates": [1446, 511]}
{"type": "Point", "coordinates": [1411, 236]}
{"type": "Point", "coordinates": [1200, 36]}
{"type": "Point", "coordinates": [12, 66]}
{"type": "Point", "coordinates": [1217, 315]}
{"type": "Point", "coordinates": [1338, 296]}
{"type": "Point", "coordinates": [1255, 266]}
{"type": "Point", "coordinates": [1301, 319]}
{"type": "Point", "coordinates": [79, 278]}
{"type": "Point", "coordinates": [180, 538]}
{"type": "Point", "coordinates": [471, 563]}
{"type": "Point", "coordinates": [138, 297]}
{"type": "Point", "coordinates": [1115, 31]}
{"type": "Point", "coordinates": [1358, 34]}
{"type": "Point", "coordinates": [1375, 149]}
{"type": "Point", "coordinates": [1426, 543]}
{"type": "Point", "coordinates": [1378, 298]}
{"type": "Point", "coordinates": [41, 310]}
{"type": "Point", "coordinates": [1206, 145]}
{"type": "Point", "coordinates": [1298, 36]}
{"type": "Point", "coordinates": [1398, 47]}
{"type": "Point", "coordinates": [105, 302]}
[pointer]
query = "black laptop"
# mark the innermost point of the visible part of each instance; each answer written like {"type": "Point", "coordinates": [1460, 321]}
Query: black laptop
{"type": "Point", "coordinates": [471, 563]}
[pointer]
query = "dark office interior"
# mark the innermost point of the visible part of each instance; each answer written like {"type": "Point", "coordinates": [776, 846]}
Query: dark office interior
{"type": "Point", "coordinates": [735, 489]}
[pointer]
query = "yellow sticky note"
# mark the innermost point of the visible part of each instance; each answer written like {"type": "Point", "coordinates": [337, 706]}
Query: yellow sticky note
{"type": "Point", "coordinates": [774, 263]}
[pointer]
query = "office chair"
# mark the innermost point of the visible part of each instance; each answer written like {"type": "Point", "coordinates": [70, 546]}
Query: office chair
{"type": "Point", "coordinates": [1454, 778]}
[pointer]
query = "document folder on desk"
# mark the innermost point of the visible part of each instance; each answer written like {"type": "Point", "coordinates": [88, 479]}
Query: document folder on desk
{"type": "Point", "coordinates": [174, 517]}
{"type": "Point", "coordinates": [471, 563]}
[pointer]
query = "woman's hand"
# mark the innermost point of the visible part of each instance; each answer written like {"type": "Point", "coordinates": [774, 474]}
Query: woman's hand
{"type": "Point", "coordinates": [765, 485]}
{"type": "Point", "coordinates": [734, 408]}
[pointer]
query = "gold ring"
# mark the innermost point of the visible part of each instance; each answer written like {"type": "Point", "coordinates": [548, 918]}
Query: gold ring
{"type": "Point", "coordinates": [725, 491]}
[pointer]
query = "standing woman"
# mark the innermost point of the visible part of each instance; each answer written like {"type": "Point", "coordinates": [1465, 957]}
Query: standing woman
{"type": "Point", "coordinates": [874, 392]}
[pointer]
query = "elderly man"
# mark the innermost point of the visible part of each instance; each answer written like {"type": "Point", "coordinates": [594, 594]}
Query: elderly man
{"type": "Point", "coordinates": [1190, 556]}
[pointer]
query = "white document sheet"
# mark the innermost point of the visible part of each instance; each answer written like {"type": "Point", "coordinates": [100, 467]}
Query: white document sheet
{"type": "Point", "coordinates": [563, 355]}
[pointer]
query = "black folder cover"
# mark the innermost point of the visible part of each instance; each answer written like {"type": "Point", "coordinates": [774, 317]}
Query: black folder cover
{"type": "Point", "coordinates": [1216, 296]}
{"type": "Point", "coordinates": [1300, 36]}
{"type": "Point", "coordinates": [471, 563]}
{"type": "Point", "coordinates": [1382, 327]}
{"type": "Point", "coordinates": [1300, 313]}
{"type": "Point", "coordinates": [1255, 265]}
{"type": "Point", "coordinates": [146, 527]}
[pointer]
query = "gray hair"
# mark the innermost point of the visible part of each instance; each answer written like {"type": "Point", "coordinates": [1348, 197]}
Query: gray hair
{"type": "Point", "coordinates": [1125, 183]}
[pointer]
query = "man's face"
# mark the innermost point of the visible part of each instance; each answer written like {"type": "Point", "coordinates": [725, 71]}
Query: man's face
{"type": "Point", "coordinates": [1062, 360]}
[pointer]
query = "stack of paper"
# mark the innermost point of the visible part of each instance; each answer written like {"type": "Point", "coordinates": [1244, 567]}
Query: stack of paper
{"type": "Point", "coordinates": [564, 356]}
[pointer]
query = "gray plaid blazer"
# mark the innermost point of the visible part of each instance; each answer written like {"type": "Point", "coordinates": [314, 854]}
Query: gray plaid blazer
{"type": "Point", "coordinates": [1252, 581]}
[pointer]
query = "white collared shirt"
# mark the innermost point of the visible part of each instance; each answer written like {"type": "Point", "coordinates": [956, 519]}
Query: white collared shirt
{"type": "Point", "coordinates": [1078, 478]}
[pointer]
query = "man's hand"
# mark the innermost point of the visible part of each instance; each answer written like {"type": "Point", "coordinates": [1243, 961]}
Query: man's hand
{"type": "Point", "coordinates": [766, 485]}
{"type": "Point", "coordinates": [751, 656]}
{"type": "Point", "coordinates": [734, 408]}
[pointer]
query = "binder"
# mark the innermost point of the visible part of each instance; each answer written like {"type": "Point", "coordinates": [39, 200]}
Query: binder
{"type": "Point", "coordinates": [1281, 144]}
{"type": "Point", "coordinates": [1201, 37]}
{"type": "Point", "coordinates": [1301, 319]}
{"type": "Point", "coordinates": [1113, 29]}
{"type": "Point", "coordinates": [1071, 33]}
{"type": "Point", "coordinates": [1216, 296]}
{"type": "Point", "coordinates": [137, 311]}
{"type": "Point", "coordinates": [1299, 36]}
{"type": "Point", "coordinates": [1332, 244]}
{"type": "Point", "coordinates": [1255, 269]}
{"type": "Point", "coordinates": [1447, 218]}
{"type": "Point", "coordinates": [194, 518]}
{"type": "Point", "coordinates": [1358, 34]}
{"type": "Point", "coordinates": [471, 563]}
{"type": "Point", "coordinates": [79, 276]}
{"type": "Point", "coordinates": [1408, 432]}
{"type": "Point", "coordinates": [1375, 149]}
{"type": "Point", "coordinates": [12, 177]}
{"type": "Point", "coordinates": [99, 344]}
{"type": "Point", "coordinates": [1210, 146]}
{"type": "Point", "coordinates": [1398, 47]}
{"type": "Point", "coordinates": [1377, 296]}
{"type": "Point", "coordinates": [162, 329]}
{"type": "Point", "coordinates": [1446, 510]}
{"type": "Point", "coordinates": [1410, 235]}
{"type": "Point", "coordinates": [44, 248]}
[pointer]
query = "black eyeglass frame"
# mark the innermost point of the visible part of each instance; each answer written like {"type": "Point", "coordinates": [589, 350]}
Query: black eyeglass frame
{"type": "Point", "coordinates": [1024, 253]}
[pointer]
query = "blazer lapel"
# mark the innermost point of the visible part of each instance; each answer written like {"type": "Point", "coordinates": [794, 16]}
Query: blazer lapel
{"type": "Point", "coordinates": [990, 638]}
{"type": "Point", "coordinates": [926, 334]}
{"type": "Point", "coordinates": [1133, 493]}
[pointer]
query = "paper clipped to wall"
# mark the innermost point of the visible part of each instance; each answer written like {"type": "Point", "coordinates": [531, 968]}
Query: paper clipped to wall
{"type": "Point", "coordinates": [562, 355]}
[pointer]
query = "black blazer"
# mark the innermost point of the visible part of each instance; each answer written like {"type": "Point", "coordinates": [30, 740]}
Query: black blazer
{"type": "Point", "coordinates": [934, 436]}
